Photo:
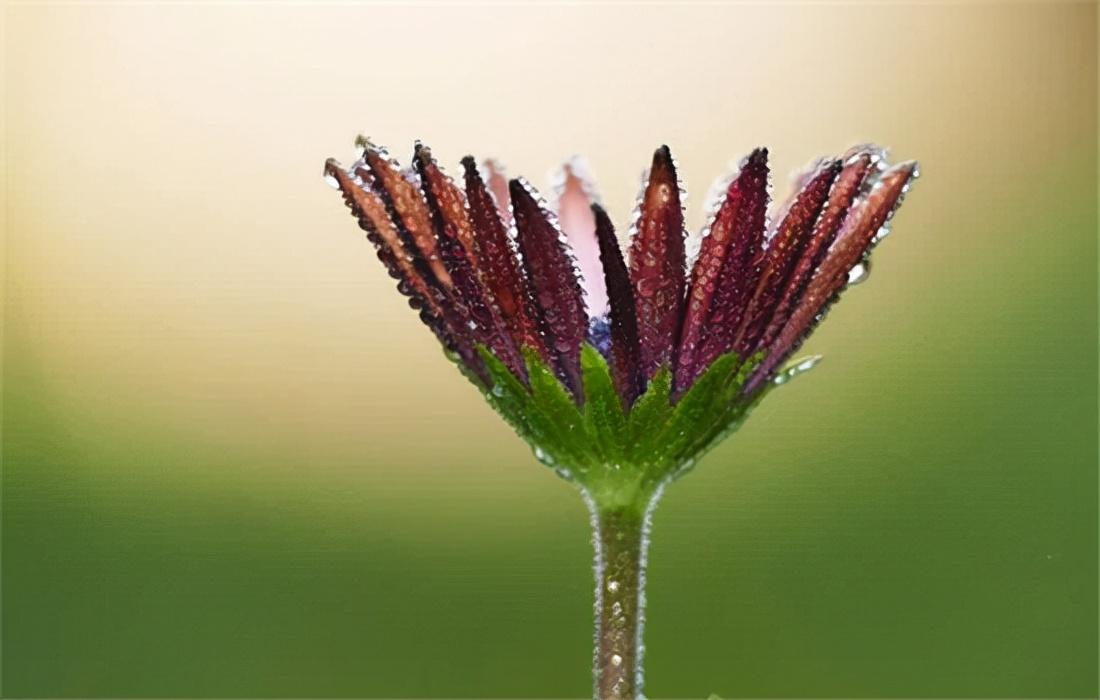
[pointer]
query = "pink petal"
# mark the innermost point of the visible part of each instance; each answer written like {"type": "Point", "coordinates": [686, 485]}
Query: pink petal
{"type": "Point", "coordinates": [577, 222]}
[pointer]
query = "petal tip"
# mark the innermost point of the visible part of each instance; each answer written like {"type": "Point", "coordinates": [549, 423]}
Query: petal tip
{"type": "Point", "coordinates": [662, 159]}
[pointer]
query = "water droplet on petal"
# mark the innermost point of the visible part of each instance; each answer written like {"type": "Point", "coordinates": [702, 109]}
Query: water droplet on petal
{"type": "Point", "coordinates": [798, 367]}
{"type": "Point", "coordinates": [859, 273]}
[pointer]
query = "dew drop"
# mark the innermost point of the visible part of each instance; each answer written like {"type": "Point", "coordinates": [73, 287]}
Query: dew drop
{"type": "Point", "coordinates": [859, 273]}
{"type": "Point", "coordinates": [612, 586]}
{"type": "Point", "coordinates": [645, 286]}
{"type": "Point", "coordinates": [564, 473]}
{"type": "Point", "coordinates": [331, 181]}
{"type": "Point", "coordinates": [798, 367]}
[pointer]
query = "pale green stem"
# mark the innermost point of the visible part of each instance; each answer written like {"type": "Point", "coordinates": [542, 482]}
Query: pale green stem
{"type": "Point", "coordinates": [621, 538]}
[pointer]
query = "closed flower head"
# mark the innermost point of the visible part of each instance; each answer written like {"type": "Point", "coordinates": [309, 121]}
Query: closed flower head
{"type": "Point", "coordinates": [620, 368]}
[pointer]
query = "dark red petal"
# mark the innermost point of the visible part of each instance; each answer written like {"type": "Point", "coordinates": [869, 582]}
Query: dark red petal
{"type": "Point", "coordinates": [445, 200]}
{"type": "Point", "coordinates": [456, 246]}
{"type": "Point", "coordinates": [844, 191]}
{"type": "Point", "coordinates": [410, 212]}
{"type": "Point", "coordinates": [856, 237]}
{"type": "Point", "coordinates": [784, 248]}
{"type": "Point", "coordinates": [657, 265]}
{"type": "Point", "coordinates": [625, 351]}
{"type": "Point", "coordinates": [497, 258]}
{"type": "Point", "coordinates": [557, 293]}
{"type": "Point", "coordinates": [723, 280]}
{"type": "Point", "coordinates": [374, 218]}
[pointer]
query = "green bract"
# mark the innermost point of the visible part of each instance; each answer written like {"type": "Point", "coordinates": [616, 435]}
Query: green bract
{"type": "Point", "coordinates": [620, 455]}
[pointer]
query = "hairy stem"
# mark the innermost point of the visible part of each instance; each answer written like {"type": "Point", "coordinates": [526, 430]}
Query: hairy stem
{"type": "Point", "coordinates": [621, 537]}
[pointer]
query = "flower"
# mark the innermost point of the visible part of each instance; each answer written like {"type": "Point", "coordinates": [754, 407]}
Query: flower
{"type": "Point", "coordinates": [621, 371]}
{"type": "Point", "coordinates": [601, 359]}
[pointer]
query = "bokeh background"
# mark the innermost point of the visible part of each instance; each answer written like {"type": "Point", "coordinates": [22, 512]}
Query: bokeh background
{"type": "Point", "coordinates": [235, 465]}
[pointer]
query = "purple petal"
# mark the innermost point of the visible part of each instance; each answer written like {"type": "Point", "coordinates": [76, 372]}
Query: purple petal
{"type": "Point", "coordinates": [726, 271]}
{"type": "Point", "coordinates": [503, 275]}
{"type": "Point", "coordinates": [856, 237]}
{"type": "Point", "coordinates": [409, 210]}
{"type": "Point", "coordinates": [783, 251]}
{"type": "Point", "coordinates": [625, 351]}
{"type": "Point", "coordinates": [456, 245]}
{"type": "Point", "coordinates": [657, 265]}
{"type": "Point", "coordinates": [554, 284]}
{"type": "Point", "coordinates": [843, 193]}
{"type": "Point", "coordinates": [374, 218]}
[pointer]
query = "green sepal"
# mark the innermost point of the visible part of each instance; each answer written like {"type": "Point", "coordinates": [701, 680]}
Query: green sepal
{"type": "Point", "coordinates": [563, 432]}
{"type": "Point", "coordinates": [603, 408]}
{"type": "Point", "coordinates": [615, 453]}
{"type": "Point", "coordinates": [649, 415]}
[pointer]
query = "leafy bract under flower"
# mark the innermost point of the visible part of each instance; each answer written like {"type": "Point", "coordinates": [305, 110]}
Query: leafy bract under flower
{"type": "Point", "coordinates": [603, 446]}
{"type": "Point", "coordinates": [683, 357]}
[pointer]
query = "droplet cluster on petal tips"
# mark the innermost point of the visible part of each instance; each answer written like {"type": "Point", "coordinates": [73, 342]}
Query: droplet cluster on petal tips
{"type": "Point", "coordinates": [522, 293]}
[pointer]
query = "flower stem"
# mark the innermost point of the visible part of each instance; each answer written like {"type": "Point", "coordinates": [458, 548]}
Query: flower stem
{"type": "Point", "coordinates": [621, 536]}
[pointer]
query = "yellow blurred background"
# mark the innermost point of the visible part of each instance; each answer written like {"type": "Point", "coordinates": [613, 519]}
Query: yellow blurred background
{"type": "Point", "coordinates": [235, 464]}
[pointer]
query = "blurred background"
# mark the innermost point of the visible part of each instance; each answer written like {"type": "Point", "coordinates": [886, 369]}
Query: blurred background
{"type": "Point", "coordinates": [235, 464]}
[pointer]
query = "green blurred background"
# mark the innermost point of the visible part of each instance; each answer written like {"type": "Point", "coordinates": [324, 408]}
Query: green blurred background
{"type": "Point", "coordinates": [236, 466]}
